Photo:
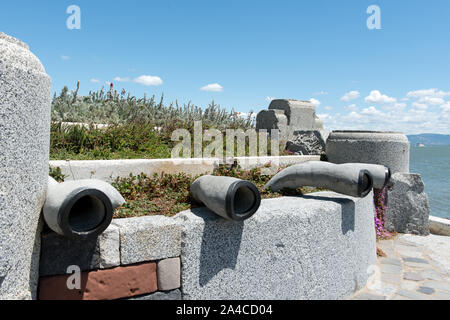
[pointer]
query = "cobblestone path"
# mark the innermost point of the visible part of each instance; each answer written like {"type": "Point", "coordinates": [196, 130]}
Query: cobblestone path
{"type": "Point", "coordinates": [415, 268]}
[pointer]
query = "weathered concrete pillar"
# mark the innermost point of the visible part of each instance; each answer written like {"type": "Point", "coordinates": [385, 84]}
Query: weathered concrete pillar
{"type": "Point", "coordinates": [25, 92]}
{"type": "Point", "coordinates": [390, 149]}
{"type": "Point", "coordinates": [301, 114]}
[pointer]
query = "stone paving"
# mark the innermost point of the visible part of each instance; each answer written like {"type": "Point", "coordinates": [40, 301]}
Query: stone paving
{"type": "Point", "coordinates": [415, 268]}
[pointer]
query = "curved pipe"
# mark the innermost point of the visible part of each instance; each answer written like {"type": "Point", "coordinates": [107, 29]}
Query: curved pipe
{"type": "Point", "coordinates": [349, 180]}
{"type": "Point", "coordinates": [80, 208]}
{"type": "Point", "coordinates": [380, 174]}
{"type": "Point", "coordinates": [230, 198]}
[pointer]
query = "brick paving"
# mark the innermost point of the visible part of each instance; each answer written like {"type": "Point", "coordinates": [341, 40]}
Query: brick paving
{"type": "Point", "coordinates": [415, 268]}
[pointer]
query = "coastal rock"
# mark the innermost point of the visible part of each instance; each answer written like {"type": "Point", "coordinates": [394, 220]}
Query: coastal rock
{"type": "Point", "coordinates": [407, 209]}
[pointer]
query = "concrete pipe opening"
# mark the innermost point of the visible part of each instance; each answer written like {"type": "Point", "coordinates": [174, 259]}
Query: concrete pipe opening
{"type": "Point", "coordinates": [80, 208]}
{"type": "Point", "coordinates": [85, 212]}
{"type": "Point", "coordinates": [231, 198]}
{"type": "Point", "coordinates": [366, 183]}
{"type": "Point", "coordinates": [380, 174]}
{"type": "Point", "coordinates": [243, 200]}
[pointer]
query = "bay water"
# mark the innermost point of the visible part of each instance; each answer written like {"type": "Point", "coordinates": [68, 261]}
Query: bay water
{"type": "Point", "coordinates": [433, 163]}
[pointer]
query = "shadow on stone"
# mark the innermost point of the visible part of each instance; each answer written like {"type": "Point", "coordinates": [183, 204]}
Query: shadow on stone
{"type": "Point", "coordinates": [221, 242]}
{"type": "Point", "coordinates": [35, 259]}
{"type": "Point", "coordinates": [348, 211]}
{"type": "Point", "coordinates": [58, 253]}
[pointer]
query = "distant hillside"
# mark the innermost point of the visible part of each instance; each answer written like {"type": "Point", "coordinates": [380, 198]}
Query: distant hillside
{"type": "Point", "coordinates": [430, 139]}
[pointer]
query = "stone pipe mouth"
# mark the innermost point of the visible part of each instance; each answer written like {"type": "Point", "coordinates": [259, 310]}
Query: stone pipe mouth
{"type": "Point", "coordinates": [242, 200]}
{"type": "Point", "coordinates": [85, 213]}
{"type": "Point", "coordinates": [365, 183]}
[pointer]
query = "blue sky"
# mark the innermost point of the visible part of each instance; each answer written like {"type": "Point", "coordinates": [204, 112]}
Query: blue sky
{"type": "Point", "coordinates": [246, 52]}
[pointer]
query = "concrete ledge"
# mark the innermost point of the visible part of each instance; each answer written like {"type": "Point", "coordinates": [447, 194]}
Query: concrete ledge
{"type": "Point", "coordinates": [319, 246]}
{"type": "Point", "coordinates": [107, 170]}
{"type": "Point", "coordinates": [248, 163]}
{"type": "Point", "coordinates": [148, 238]}
{"type": "Point", "coordinates": [58, 252]}
{"type": "Point", "coordinates": [440, 226]}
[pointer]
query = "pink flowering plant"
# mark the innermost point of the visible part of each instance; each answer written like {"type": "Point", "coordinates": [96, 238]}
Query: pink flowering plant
{"type": "Point", "coordinates": [379, 198]}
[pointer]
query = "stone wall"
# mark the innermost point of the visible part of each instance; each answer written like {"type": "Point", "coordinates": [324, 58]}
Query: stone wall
{"type": "Point", "coordinates": [136, 258]}
{"type": "Point", "coordinates": [318, 246]}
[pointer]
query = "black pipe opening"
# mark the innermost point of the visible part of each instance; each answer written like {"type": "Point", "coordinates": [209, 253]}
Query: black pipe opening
{"type": "Point", "coordinates": [365, 183]}
{"type": "Point", "coordinates": [242, 200]}
{"type": "Point", "coordinates": [85, 213]}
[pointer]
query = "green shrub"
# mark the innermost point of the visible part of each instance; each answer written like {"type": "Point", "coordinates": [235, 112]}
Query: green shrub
{"type": "Point", "coordinates": [111, 107]}
{"type": "Point", "coordinates": [168, 194]}
{"type": "Point", "coordinates": [56, 174]}
{"type": "Point", "coordinates": [130, 141]}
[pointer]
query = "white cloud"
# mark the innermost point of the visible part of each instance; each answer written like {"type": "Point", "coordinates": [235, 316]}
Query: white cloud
{"type": "Point", "coordinates": [324, 116]}
{"type": "Point", "coordinates": [270, 98]}
{"type": "Point", "coordinates": [65, 57]}
{"type": "Point", "coordinates": [328, 108]}
{"type": "Point", "coordinates": [434, 101]}
{"type": "Point", "coordinates": [147, 80]}
{"type": "Point", "coordinates": [351, 95]}
{"type": "Point", "coordinates": [446, 107]}
{"type": "Point", "coordinates": [376, 96]}
{"type": "Point", "coordinates": [417, 119]}
{"type": "Point", "coordinates": [94, 80]}
{"type": "Point", "coordinates": [430, 93]}
{"type": "Point", "coordinates": [352, 116]}
{"type": "Point", "coordinates": [215, 87]}
{"type": "Point", "coordinates": [395, 105]}
{"type": "Point", "coordinates": [315, 102]}
{"type": "Point", "coordinates": [371, 111]}
{"type": "Point", "coordinates": [320, 93]}
{"type": "Point", "coordinates": [428, 97]}
{"type": "Point", "coordinates": [399, 105]}
{"type": "Point", "coordinates": [119, 79]}
{"type": "Point", "coordinates": [419, 106]}
{"type": "Point", "coordinates": [351, 107]}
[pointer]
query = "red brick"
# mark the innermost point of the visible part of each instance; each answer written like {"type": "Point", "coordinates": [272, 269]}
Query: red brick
{"type": "Point", "coordinates": [108, 284]}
